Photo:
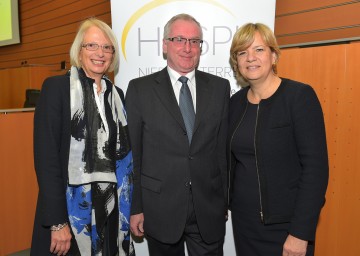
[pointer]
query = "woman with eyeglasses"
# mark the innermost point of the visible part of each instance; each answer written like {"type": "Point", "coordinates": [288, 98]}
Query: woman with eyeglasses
{"type": "Point", "coordinates": [82, 154]}
{"type": "Point", "coordinates": [277, 152]}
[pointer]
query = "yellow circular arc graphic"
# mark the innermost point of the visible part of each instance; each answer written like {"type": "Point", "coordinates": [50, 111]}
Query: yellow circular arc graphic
{"type": "Point", "coordinates": [153, 4]}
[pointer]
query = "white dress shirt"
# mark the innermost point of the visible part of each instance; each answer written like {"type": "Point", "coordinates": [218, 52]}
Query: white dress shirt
{"type": "Point", "coordinates": [176, 84]}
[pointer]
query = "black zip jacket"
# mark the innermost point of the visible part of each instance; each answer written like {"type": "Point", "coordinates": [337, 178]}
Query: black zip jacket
{"type": "Point", "coordinates": [291, 155]}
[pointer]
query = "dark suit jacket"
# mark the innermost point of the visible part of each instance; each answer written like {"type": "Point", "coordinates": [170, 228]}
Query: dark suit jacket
{"type": "Point", "coordinates": [164, 162]}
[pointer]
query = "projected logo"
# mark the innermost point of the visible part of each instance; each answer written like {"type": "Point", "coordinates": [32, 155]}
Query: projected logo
{"type": "Point", "coordinates": [156, 4]}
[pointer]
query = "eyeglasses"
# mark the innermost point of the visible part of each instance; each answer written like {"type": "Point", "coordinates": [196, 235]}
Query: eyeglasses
{"type": "Point", "coordinates": [93, 47]}
{"type": "Point", "coordinates": [181, 41]}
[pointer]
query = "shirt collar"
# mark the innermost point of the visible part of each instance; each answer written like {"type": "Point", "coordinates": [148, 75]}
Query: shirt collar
{"type": "Point", "coordinates": [174, 76]}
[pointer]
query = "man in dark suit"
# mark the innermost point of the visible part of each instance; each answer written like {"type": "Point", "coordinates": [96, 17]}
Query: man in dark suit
{"type": "Point", "coordinates": [178, 132]}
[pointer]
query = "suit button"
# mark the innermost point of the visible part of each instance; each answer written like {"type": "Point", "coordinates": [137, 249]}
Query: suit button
{"type": "Point", "coordinates": [188, 184]}
{"type": "Point", "coordinates": [191, 157]}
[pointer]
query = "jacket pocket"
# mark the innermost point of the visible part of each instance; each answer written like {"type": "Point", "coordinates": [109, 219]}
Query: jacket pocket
{"type": "Point", "coordinates": [150, 184]}
{"type": "Point", "coordinates": [217, 183]}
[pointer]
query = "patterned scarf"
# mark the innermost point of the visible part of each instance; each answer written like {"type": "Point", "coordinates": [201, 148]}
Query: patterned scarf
{"type": "Point", "coordinates": [100, 166]}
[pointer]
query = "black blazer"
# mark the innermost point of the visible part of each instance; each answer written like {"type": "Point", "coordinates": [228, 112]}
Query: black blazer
{"type": "Point", "coordinates": [164, 163]}
{"type": "Point", "coordinates": [291, 155]}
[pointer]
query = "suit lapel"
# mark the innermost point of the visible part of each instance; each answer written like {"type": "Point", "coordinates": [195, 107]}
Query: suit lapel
{"type": "Point", "coordinates": [203, 93]}
{"type": "Point", "coordinates": [166, 94]}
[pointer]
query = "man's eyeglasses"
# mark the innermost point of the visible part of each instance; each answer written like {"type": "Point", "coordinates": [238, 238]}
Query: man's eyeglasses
{"type": "Point", "coordinates": [93, 47]}
{"type": "Point", "coordinates": [181, 41]}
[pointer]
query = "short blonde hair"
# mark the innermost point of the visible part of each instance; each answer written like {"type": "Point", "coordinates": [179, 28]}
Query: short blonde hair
{"type": "Point", "coordinates": [244, 37]}
{"type": "Point", "coordinates": [76, 46]}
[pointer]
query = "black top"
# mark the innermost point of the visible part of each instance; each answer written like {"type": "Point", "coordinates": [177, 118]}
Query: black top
{"type": "Point", "coordinates": [246, 192]}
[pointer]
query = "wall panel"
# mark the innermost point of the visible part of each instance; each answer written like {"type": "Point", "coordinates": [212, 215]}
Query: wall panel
{"type": "Point", "coordinates": [61, 16]}
{"type": "Point", "coordinates": [325, 37]}
{"type": "Point", "coordinates": [314, 22]}
{"type": "Point", "coordinates": [328, 18]}
{"type": "Point", "coordinates": [349, 148]}
{"type": "Point", "coordinates": [332, 72]}
{"type": "Point", "coordinates": [32, 5]}
{"type": "Point", "coordinates": [284, 7]}
{"type": "Point", "coordinates": [41, 8]}
{"type": "Point", "coordinates": [18, 189]}
{"type": "Point", "coordinates": [20, 79]}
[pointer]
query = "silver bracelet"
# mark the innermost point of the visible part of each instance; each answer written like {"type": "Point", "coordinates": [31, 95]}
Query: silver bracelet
{"type": "Point", "coordinates": [58, 227]}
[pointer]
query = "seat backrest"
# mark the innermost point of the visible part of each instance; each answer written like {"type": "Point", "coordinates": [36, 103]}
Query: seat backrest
{"type": "Point", "coordinates": [31, 98]}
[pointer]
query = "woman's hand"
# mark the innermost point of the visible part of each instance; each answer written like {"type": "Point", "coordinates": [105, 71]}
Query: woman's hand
{"type": "Point", "coordinates": [60, 241]}
{"type": "Point", "coordinates": [294, 246]}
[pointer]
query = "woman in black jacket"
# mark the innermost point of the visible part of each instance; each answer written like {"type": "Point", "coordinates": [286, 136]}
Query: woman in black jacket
{"type": "Point", "coordinates": [82, 154]}
{"type": "Point", "coordinates": [277, 152]}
